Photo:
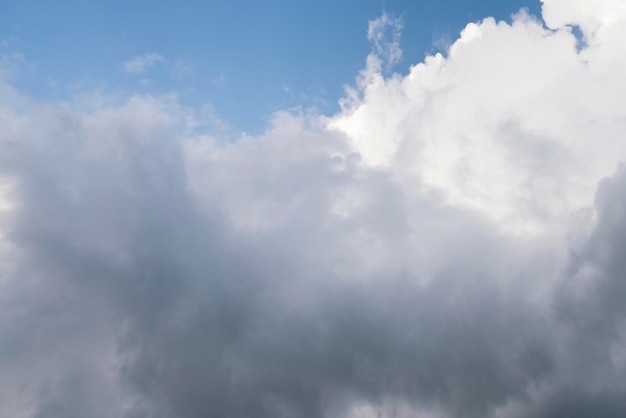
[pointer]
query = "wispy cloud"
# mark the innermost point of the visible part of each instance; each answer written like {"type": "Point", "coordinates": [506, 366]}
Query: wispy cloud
{"type": "Point", "coordinates": [142, 63]}
{"type": "Point", "coordinates": [384, 34]}
{"type": "Point", "coordinates": [183, 68]}
{"type": "Point", "coordinates": [219, 79]}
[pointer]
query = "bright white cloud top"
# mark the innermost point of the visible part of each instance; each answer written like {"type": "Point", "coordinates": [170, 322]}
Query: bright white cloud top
{"type": "Point", "coordinates": [504, 123]}
{"type": "Point", "coordinates": [450, 244]}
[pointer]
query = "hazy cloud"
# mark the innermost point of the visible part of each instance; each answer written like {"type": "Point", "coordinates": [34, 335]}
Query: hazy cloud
{"type": "Point", "coordinates": [141, 63]}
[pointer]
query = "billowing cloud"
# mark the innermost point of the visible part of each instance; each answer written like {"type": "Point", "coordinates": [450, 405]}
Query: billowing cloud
{"type": "Point", "coordinates": [503, 123]}
{"type": "Point", "coordinates": [448, 245]}
{"type": "Point", "coordinates": [141, 63]}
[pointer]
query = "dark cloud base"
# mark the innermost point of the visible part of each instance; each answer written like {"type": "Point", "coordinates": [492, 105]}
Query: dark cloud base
{"type": "Point", "coordinates": [131, 290]}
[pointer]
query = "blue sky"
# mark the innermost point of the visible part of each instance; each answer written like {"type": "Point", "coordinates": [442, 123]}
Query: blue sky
{"type": "Point", "coordinates": [246, 58]}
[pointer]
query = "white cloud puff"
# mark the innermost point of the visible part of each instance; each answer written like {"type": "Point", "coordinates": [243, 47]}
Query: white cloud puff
{"type": "Point", "coordinates": [514, 122]}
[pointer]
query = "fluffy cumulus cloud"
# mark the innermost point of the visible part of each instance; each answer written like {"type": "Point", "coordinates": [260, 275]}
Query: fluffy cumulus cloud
{"type": "Point", "coordinates": [450, 244]}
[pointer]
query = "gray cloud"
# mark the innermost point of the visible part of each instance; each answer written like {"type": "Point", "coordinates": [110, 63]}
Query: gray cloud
{"type": "Point", "coordinates": [150, 271]}
{"type": "Point", "coordinates": [306, 314]}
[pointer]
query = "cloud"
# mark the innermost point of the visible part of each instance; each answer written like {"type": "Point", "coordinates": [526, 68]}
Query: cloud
{"type": "Point", "coordinates": [141, 63]}
{"type": "Point", "coordinates": [496, 125]}
{"type": "Point", "coordinates": [449, 244]}
{"type": "Point", "coordinates": [384, 33]}
{"type": "Point", "coordinates": [183, 68]}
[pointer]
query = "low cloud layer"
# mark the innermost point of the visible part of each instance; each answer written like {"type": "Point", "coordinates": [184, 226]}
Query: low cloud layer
{"type": "Point", "coordinates": [448, 245]}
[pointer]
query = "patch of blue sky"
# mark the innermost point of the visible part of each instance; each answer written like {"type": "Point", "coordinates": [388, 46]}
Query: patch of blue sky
{"type": "Point", "coordinates": [246, 58]}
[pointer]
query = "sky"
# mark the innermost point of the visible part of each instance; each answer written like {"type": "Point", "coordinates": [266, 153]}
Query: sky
{"type": "Point", "coordinates": [187, 230]}
{"type": "Point", "coordinates": [247, 59]}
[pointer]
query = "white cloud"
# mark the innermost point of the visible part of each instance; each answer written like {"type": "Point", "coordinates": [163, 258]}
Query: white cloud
{"type": "Point", "coordinates": [589, 15]}
{"type": "Point", "coordinates": [503, 124]}
{"type": "Point", "coordinates": [384, 33]}
{"type": "Point", "coordinates": [342, 266]}
{"type": "Point", "coordinates": [141, 63]}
